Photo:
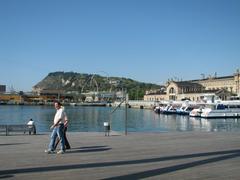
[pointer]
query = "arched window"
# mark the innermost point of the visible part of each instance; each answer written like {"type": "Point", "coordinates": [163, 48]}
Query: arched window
{"type": "Point", "coordinates": [171, 90]}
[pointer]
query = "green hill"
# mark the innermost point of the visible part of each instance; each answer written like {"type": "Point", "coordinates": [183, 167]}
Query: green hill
{"type": "Point", "coordinates": [82, 83]}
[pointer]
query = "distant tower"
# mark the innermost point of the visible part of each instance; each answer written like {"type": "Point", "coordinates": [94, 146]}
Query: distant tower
{"type": "Point", "coordinates": [11, 89]}
{"type": "Point", "coordinates": [215, 74]}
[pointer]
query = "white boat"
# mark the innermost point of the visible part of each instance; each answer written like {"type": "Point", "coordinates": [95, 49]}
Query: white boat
{"type": "Point", "coordinates": [169, 109]}
{"type": "Point", "coordinates": [221, 111]}
{"type": "Point", "coordinates": [196, 112]}
{"type": "Point", "coordinates": [157, 109]}
{"type": "Point", "coordinates": [73, 104]}
{"type": "Point", "coordinates": [184, 110]}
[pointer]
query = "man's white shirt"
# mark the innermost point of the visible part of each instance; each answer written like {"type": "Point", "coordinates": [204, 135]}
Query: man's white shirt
{"type": "Point", "coordinates": [60, 114]}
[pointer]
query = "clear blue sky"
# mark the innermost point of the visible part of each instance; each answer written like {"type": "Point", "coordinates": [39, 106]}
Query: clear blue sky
{"type": "Point", "coordinates": [146, 40]}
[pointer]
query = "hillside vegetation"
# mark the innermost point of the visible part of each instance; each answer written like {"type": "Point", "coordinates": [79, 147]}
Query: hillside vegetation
{"type": "Point", "coordinates": [81, 83]}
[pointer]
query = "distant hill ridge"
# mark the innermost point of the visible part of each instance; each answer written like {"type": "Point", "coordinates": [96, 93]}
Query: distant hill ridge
{"type": "Point", "coordinates": [81, 82]}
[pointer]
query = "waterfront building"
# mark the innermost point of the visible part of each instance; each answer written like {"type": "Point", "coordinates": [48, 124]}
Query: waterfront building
{"type": "Point", "coordinates": [11, 98]}
{"type": "Point", "coordinates": [195, 90]}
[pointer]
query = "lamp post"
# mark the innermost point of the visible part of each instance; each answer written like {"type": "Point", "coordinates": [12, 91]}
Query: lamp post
{"type": "Point", "coordinates": [126, 114]}
{"type": "Point", "coordinates": [124, 99]}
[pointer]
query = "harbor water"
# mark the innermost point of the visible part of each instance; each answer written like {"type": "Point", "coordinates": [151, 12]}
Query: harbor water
{"type": "Point", "coordinates": [91, 119]}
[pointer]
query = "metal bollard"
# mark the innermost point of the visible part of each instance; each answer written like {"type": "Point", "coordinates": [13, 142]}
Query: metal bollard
{"type": "Point", "coordinates": [107, 128]}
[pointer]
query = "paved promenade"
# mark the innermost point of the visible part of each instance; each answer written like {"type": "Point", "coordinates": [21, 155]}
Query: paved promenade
{"type": "Point", "coordinates": [183, 155]}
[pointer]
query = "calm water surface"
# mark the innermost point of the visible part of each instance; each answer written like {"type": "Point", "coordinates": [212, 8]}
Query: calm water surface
{"type": "Point", "coordinates": [83, 119]}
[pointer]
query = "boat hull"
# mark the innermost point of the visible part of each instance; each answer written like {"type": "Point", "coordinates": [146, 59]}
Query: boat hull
{"type": "Point", "coordinates": [229, 113]}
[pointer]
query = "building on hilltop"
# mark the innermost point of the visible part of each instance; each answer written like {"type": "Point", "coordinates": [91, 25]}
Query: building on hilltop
{"type": "Point", "coordinates": [195, 90]}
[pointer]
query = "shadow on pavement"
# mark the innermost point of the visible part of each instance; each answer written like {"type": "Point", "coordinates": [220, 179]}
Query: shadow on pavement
{"type": "Point", "coordinates": [11, 144]}
{"type": "Point", "coordinates": [88, 149]}
{"type": "Point", "coordinates": [221, 155]}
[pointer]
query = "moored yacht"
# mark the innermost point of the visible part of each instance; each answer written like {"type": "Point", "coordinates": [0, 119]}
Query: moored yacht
{"type": "Point", "coordinates": [184, 110]}
{"type": "Point", "coordinates": [196, 112]}
{"type": "Point", "coordinates": [221, 111]}
{"type": "Point", "coordinates": [169, 109]}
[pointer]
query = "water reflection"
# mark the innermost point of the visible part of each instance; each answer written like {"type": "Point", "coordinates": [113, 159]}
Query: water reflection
{"type": "Point", "coordinates": [92, 118]}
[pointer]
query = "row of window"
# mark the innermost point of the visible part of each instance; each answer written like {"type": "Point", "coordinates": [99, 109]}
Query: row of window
{"type": "Point", "coordinates": [174, 98]}
{"type": "Point", "coordinates": [227, 88]}
{"type": "Point", "coordinates": [185, 90]}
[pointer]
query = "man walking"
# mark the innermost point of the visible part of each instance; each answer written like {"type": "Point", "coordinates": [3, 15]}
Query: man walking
{"type": "Point", "coordinates": [66, 120]}
{"type": "Point", "coordinates": [57, 130]}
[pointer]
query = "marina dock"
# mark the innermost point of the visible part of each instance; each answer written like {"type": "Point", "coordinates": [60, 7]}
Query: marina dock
{"type": "Point", "coordinates": [172, 155]}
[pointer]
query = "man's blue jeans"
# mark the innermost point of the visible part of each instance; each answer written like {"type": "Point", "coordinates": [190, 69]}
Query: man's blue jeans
{"type": "Point", "coordinates": [57, 131]}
